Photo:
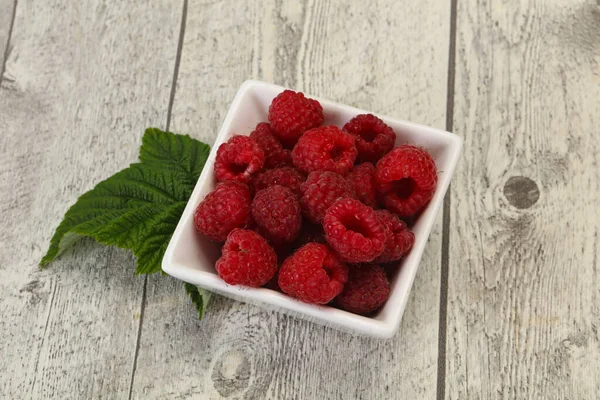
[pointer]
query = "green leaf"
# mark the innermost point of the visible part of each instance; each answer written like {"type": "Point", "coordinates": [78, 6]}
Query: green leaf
{"type": "Point", "coordinates": [199, 296]}
{"type": "Point", "coordinates": [139, 207]}
{"type": "Point", "coordinates": [174, 152]}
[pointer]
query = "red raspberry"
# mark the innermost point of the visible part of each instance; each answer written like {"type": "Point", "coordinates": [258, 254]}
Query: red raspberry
{"type": "Point", "coordinates": [362, 179]}
{"type": "Point", "coordinates": [275, 154]}
{"type": "Point", "coordinates": [399, 238]}
{"type": "Point", "coordinates": [374, 138]}
{"type": "Point", "coordinates": [354, 231]}
{"type": "Point", "coordinates": [287, 177]}
{"type": "Point", "coordinates": [326, 148]}
{"type": "Point", "coordinates": [291, 114]}
{"type": "Point", "coordinates": [406, 179]}
{"type": "Point", "coordinates": [238, 159]}
{"type": "Point", "coordinates": [247, 259]}
{"type": "Point", "coordinates": [277, 214]}
{"type": "Point", "coordinates": [320, 190]}
{"type": "Point", "coordinates": [225, 208]}
{"type": "Point", "coordinates": [313, 274]}
{"type": "Point", "coordinates": [367, 289]}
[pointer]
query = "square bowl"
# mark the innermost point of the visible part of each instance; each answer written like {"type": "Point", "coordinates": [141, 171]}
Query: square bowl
{"type": "Point", "coordinates": [192, 257]}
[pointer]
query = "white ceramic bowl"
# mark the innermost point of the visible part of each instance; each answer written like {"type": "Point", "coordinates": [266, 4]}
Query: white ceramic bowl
{"type": "Point", "coordinates": [191, 257]}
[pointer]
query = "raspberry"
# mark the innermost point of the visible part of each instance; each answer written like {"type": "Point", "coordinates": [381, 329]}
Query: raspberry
{"type": "Point", "coordinates": [287, 177]}
{"type": "Point", "coordinates": [326, 148]}
{"type": "Point", "coordinates": [225, 208]}
{"type": "Point", "coordinates": [320, 190]}
{"type": "Point", "coordinates": [247, 259]}
{"type": "Point", "coordinates": [362, 179]}
{"type": "Point", "coordinates": [367, 289]}
{"type": "Point", "coordinates": [291, 114]}
{"type": "Point", "coordinates": [238, 159]}
{"type": "Point", "coordinates": [374, 138]}
{"type": "Point", "coordinates": [354, 231]}
{"type": "Point", "coordinates": [399, 238]}
{"type": "Point", "coordinates": [277, 214]}
{"type": "Point", "coordinates": [313, 274]}
{"type": "Point", "coordinates": [406, 179]}
{"type": "Point", "coordinates": [275, 154]}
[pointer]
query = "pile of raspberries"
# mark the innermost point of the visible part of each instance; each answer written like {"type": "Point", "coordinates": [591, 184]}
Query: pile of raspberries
{"type": "Point", "coordinates": [316, 211]}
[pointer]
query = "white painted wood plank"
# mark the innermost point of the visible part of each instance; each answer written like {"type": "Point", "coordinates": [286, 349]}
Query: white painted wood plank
{"type": "Point", "coordinates": [524, 294]}
{"type": "Point", "coordinates": [82, 81]}
{"type": "Point", "coordinates": [387, 56]}
{"type": "Point", "coordinates": [6, 13]}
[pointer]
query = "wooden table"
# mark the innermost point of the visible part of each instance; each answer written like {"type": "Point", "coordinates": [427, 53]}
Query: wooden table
{"type": "Point", "coordinates": [507, 300]}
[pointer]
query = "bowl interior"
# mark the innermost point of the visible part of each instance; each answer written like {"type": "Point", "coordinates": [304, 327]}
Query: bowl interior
{"type": "Point", "coordinates": [250, 107]}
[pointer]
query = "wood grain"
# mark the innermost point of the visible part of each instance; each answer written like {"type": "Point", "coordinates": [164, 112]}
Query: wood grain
{"type": "Point", "coordinates": [82, 81]}
{"type": "Point", "coordinates": [524, 290]}
{"type": "Point", "coordinates": [381, 56]}
{"type": "Point", "coordinates": [6, 16]}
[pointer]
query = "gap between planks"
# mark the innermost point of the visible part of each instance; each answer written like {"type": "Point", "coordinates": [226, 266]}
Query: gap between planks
{"type": "Point", "coordinates": [168, 124]}
{"type": "Point", "coordinates": [445, 262]}
{"type": "Point", "coordinates": [8, 38]}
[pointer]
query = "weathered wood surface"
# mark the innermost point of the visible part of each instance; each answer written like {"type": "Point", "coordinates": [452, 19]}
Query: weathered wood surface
{"type": "Point", "coordinates": [381, 57]}
{"type": "Point", "coordinates": [524, 288]}
{"type": "Point", "coordinates": [6, 16]}
{"type": "Point", "coordinates": [82, 81]}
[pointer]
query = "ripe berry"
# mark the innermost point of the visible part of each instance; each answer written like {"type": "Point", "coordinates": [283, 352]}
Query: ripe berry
{"type": "Point", "coordinates": [354, 231]}
{"type": "Point", "coordinates": [225, 208]}
{"type": "Point", "coordinates": [275, 154]}
{"type": "Point", "coordinates": [313, 274]}
{"type": "Point", "coordinates": [288, 177]}
{"type": "Point", "coordinates": [373, 137]}
{"type": "Point", "coordinates": [367, 289]}
{"type": "Point", "coordinates": [238, 159]}
{"type": "Point", "coordinates": [291, 114]}
{"type": "Point", "coordinates": [320, 190]}
{"type": "Point", "coordinates": [406, 179]}
{"type": "Point", "coordinates": [247, 259]}
{"type": "Point", "coordinates": [362, 179]}
{"type": "Point", "coordinates": [326, 148]}
{"type": "Point", "coordinates": [277, 214]}
{"type": "Point", "coordinates": [399, 238]}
